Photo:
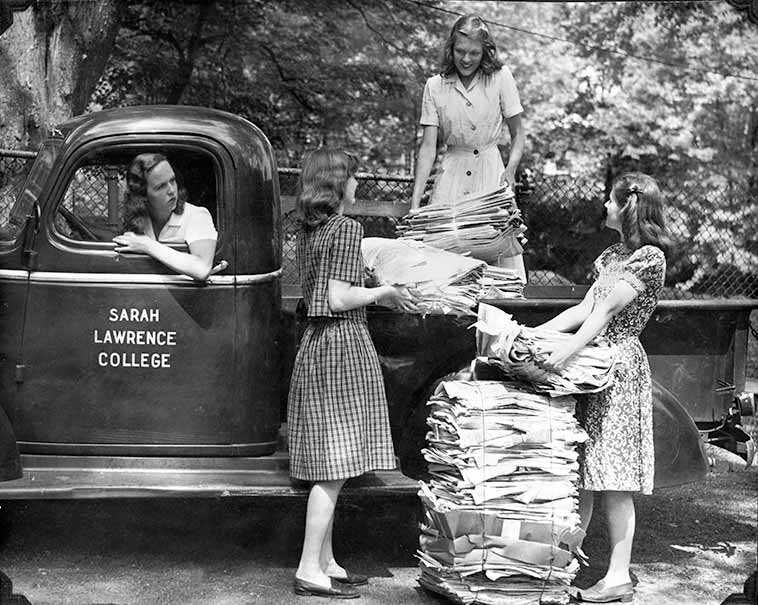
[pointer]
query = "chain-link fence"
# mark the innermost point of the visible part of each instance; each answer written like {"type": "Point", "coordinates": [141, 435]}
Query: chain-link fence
{"type": "Point", "coordinates": [14, 166]}
{"type": "Point", "coordinates": [716, 252]}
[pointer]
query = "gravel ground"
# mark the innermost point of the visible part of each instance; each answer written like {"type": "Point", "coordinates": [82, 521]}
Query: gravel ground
{"type": "Point", "coordinates": [695, 544]}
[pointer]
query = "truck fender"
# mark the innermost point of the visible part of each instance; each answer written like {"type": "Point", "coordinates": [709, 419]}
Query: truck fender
{"type": "Point", "coordinates": [408, 413]}
{"type": "Point", "coordinates": [679, 454]}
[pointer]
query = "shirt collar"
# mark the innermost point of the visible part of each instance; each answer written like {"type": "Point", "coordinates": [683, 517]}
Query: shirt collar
{"type": "Point", "coordinates": [174, 221]}
{"type": "Point", "coordinates": [455, 81]}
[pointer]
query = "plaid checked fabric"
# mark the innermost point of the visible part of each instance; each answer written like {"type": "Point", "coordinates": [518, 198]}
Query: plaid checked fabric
{"type": "Point", "coordinates": [337, 414]}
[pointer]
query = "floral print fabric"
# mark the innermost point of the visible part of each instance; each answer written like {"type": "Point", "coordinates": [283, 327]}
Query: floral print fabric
{"type": "Point", "coordinates": [619, 454]}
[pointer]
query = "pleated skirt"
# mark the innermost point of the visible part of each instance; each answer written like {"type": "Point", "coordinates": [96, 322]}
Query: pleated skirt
{"type": "Point", "coordinates": [337, 415]}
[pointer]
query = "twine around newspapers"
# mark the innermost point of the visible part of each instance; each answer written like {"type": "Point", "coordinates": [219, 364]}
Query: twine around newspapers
{"type": "Point", "coordinates": [485, 499]}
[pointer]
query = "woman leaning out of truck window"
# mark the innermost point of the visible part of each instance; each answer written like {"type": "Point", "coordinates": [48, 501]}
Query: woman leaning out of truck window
{"type": "Point", "coordinates": [618, 458]}
{"type": "Point", "coordinates": [337, 414]}
{"type": "Point", "coordinates": [154, 205]}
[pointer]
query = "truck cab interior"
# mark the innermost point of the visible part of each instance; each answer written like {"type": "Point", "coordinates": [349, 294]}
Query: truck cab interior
{"type": "Point", "coordinates": [92, 207]}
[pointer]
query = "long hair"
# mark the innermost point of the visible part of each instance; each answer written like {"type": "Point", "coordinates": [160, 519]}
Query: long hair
{"type": "Point", "coordinates": [322, 185]}
{"type": "Point", "coordinates": [641, 211]}
{"type": "Point", "coordinates": [136, 205]}
{"type": "Point", "coordinates": [474, 28]}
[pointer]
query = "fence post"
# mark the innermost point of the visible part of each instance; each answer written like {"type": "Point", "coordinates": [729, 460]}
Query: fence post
{"type": "Point", "coordinates": [111, 177]}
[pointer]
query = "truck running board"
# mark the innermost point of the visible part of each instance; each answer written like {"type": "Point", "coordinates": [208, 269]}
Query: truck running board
{"type": "Point", "coordinates": [61, 477]}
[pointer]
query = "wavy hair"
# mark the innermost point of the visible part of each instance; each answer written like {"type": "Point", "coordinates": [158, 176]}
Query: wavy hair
{"type": "Point", "coordinates": [475, 28]}
{"type": "Point", "coordinates": [136, 205]}
{"type": "Point", "coordinates": [322, 184]}
{"type": "Point", "coordinates": [641, 211]}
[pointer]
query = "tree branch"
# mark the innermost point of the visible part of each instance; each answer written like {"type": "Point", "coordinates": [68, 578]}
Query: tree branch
{"type": "Point", "coordinates": [284, 79]}
{"type": "Point", "coordinates": [373, 29]}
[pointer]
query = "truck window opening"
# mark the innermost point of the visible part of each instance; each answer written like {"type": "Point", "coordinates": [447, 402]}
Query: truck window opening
{"type": "Point", "coordinates": [92, 205]}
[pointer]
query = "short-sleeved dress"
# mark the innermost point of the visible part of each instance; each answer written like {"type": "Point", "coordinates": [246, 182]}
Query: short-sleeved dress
{"type": "Point", "coordinates": [471, 124]}
{"type": "Point", "coordinates": [619, 454]}
{"type": "Point", "coordinates": [337, 415]}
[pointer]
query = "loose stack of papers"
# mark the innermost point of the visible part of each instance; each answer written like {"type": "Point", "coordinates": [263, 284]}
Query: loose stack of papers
{"type": "Point", "coordinates": [520, 353]}
{"type": "Point", "coordinates": [439, 282]}
{"type": "Point", "coordinates": [500, 283]}
{"type": "Point", "coordinates": [500, 520]}
{"type": "Point", "coordinates": [482, 225]}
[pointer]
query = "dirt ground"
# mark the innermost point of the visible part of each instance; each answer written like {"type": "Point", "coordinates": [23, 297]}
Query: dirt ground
{"type": "Point", "coordinates": [695, 544]}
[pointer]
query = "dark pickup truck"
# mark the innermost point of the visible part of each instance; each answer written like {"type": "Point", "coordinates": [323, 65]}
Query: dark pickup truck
{"type": "Point", "coordinates": [122, 379]}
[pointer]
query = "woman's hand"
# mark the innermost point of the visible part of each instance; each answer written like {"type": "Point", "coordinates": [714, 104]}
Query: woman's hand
{"type": "Point", "coordinates": [132, 242]}
{"type": "Point", "coordinates": [559, 358]}
{"type": "Point", "coordinates": [400, 298]}
{"type": "Point", "coordinates": [508, 178]}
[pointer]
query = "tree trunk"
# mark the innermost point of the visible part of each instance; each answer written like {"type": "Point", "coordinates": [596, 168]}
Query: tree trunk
{"type": "Point", "coordinates": [51, 59]}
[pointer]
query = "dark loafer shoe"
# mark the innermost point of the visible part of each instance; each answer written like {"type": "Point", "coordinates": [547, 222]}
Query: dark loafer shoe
{"type": "Point", "coordinates": [600, 593]}
{"type": "Point", "coordinates": [353, 579]}
{"type": "Point", "coordinates": [333, 591]}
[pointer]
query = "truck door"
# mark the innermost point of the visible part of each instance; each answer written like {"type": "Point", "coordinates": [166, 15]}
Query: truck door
{"type": "Point", "coordinates": [18, 228]}
{"type": "Point", "coordinates": [120, 355]}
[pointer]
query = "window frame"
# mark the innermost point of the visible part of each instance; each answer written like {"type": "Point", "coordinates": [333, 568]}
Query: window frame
{"type": "Point", "coordinates": [167, 145]}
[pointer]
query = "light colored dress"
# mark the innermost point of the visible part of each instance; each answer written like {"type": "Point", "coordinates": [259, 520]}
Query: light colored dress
{"type": "Point", "coordinates": [619, 454]}
{"type": "Point", "coordinates": [471, 124]}
{"type": "Point", "coordinates": [337, 414]}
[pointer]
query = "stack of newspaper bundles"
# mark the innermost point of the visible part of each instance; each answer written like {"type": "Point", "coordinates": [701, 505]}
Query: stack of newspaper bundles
{"type": "Point", "coordinates": [479, 224]}
{"type": "Point", "coordinates": [439, 282]}
{"type": "Point", "coordinates": [501, 523]}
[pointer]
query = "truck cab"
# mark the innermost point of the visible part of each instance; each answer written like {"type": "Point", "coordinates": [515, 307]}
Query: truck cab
{"type": "Point", "coordinates": [120, 377]}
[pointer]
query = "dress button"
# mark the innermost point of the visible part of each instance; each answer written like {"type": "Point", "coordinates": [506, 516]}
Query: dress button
{"type": "Point", "coordinates": [476, 152]}
{"type": "Point", "coordinates": [468, 103]}
{"type": "Point", "coordinates": [473, 127]}
{"type": "Point", "coordinates": [468, 173]}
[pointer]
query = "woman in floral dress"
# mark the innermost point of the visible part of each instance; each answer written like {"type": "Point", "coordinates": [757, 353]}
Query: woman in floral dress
{"type": "Point", "coordinates": [618, 458]}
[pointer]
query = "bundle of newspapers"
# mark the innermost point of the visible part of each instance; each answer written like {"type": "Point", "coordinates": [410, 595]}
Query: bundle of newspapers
{"type": "Point", "coordinates": [520, 352]}
{"type": "Point", "coordinates": [485, 225]}
{"type": "Point", "coordinates": [500, 521]}
{"type": "Point", "coordinates": [439, 282]}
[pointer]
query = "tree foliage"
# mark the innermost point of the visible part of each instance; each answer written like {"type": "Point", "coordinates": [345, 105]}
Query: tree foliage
{"type": "Point", "coordinates": [340, 72]}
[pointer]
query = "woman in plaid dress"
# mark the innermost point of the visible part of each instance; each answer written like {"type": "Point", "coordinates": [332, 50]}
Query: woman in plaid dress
{"type": "Point", "coordinates": [618, 458]}
{"type": "Point", "coordinates": [337, 413]}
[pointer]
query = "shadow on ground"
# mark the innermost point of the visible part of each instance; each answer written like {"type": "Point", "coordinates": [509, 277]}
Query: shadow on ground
{"type": "Point", "coordinates": [219, 532]}
{"type": "Point", "coordinates": [679, 524]}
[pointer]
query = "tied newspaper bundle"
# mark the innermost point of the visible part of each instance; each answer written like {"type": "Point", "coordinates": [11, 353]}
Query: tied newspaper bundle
{"type": "Point", "coordinates": [500, 525]}
{"type": "Point", "coordinates": [440, 282]}
{"type": "Point", "coordinates": [519, 352]}
{"type": "Point", "coordinates": [481, 224]}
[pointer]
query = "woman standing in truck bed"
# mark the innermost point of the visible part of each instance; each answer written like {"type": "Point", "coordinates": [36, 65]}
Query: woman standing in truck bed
{"type": "Point", "coordinates": [337, 413]}
{"type": "Point", "coordinates": [468, 106]}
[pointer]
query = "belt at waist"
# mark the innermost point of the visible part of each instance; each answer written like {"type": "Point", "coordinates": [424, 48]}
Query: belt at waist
{"type": "Point", "coordinates": [470, 149]}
